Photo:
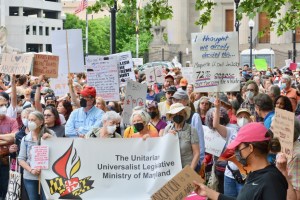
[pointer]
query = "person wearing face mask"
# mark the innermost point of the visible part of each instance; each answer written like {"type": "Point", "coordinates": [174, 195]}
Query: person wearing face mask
{"type": "Point", "coordinates": [264, 181]}
{"type": "Point", "coordinates": [110, 120]}
{"type": "Point", "coordinates": [140, 121]}
{"type": "Point", "coordinates": [156, 121]}
{"type": "Point", "coordinates": [251, 92]}
{"type": "Point", "coordinates": [243, 117]}
{"type": "Point", "coordinates": [83, 119]}
{"type": "Point", "coordinates": [287, 90]}
{"type": "Point", "coordinates": [37, 131]}
{"type": "Point", "coordinates": [183, 84]}
{"type": "Point", "coordinates": [188, 137]}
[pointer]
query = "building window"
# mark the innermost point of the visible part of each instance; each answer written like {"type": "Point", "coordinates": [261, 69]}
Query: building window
{"type": "Point", "coordinates": [53, 28]}
{"type": "Point", "coordinates": [264, 23]}
{"type": "Point", "coordinates": [13, 11]}
{"type": "Point", "coordinates": [58, 28]}
{"type": "Point", "coordinates": [41, 30]}
{"type": "Point", "coordinates": [34, 30]}
{"type": "Point", "coordinates": [47, 31]}
{"type": "Point", "coordinates": [229, 20]}
{"type": "Point", "coordinates": [27, 30]}
{"type": "Point", "coordinates": [48, 48]}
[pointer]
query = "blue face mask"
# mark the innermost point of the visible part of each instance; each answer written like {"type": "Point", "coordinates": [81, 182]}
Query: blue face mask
{"type": "Point", "coordinates": [283, 85]}
{"type": "Point", "coordinates": [244, 73]}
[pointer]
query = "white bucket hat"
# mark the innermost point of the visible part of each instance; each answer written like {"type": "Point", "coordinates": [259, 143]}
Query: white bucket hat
{"type": "Point", "coordinates": [176, 108]}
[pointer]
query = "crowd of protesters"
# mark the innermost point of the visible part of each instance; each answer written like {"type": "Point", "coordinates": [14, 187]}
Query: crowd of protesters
{"type": "Point", "coordinates": [30, 111]}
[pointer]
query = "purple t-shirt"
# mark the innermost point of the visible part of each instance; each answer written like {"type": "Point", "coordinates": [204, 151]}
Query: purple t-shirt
{"type": "Point", "coordinates": [160, 125]}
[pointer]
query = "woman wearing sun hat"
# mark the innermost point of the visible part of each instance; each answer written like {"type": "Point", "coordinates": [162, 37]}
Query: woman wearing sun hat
{"type": "Point", "coordinates": [188, 137]}
{"type": "Point", "coordinates": [264, 181]}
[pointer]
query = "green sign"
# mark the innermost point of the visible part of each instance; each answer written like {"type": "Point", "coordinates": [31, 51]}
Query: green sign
{"type": "Point", "coordinates": [261, 64]}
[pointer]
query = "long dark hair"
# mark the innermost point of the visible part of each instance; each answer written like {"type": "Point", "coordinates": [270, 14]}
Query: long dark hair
{"type": "Point", "coordinates": [68, 106]}
{"type": "Point", "coordinates": [287, 103]}
{"type": "Point", "coordinates": [54, 111]}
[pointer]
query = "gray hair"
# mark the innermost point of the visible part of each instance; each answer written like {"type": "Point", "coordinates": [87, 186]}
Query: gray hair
{"type": "Point", "coordinates": [27, 111]}
{"type": "Point", "coordinates": [111, 115]}
{"type": "Point", "coordinates": [287, 78]}
{"type": "Point", "coordinates": [143, 114]}
{"type": "Point", "coordinates": [224, 118]}
{"type": "Point", "coordinates": [275, 90]}
{"type": "Point", "coordinates": [43, 129]}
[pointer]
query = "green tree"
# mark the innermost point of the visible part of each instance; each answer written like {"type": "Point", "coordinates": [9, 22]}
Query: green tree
{"type": "Point", "coordinates": [288, 21]}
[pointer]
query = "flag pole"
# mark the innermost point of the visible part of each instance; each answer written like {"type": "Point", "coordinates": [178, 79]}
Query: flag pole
{"type": "Point", "coordinates": [137, 28]}
{"type": "Point", "coordinates": [86, 33]}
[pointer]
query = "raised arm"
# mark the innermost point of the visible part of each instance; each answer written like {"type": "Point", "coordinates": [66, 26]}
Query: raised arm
{"type": "Point", "coordinates": [216, 119]}
{"type": "Point", "coordinates": [37, 96]}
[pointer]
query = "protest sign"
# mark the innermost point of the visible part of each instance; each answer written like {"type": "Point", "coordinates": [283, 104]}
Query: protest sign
{"type": "Point", "coordinates": [154, 75]}
{"type": "Point", "coordinates": [39, 157]}
{"type": "Point", "coordinates": [293, 66]}
{"type": "Point", "coordinates": [137, 61]}
{"type": "Point", "coordinates": [77, 170]}
{"type": "Point", "coordinates": [103, 74]}
{"type": "Point", "coordinates": [45, 64]}
{"type": "Point", "coordinates": [68, 45]}
{"type": "Point", "coordinates": [214, 142]}
{"type": "Point", "coordinates": [288, 62]}
{"type": "Point", "coordinates": [216, 62]}
{"type": "Point", "coordinates": [125, 67]}
{"type": "Point", "coordinates": [261, 64]}
{"type": "Point", "coordinates": [135, 96]}
{"type": "Point", "coordinates": [60, 85]}
{"type": "Point", "coordinates": [187, 73]}
{"type": "Point", "coordinates": [179, 186]}
{"type": "Point", "coordinates": [283, 128]}
{"type": "Point", "coordinates": [16, 63]}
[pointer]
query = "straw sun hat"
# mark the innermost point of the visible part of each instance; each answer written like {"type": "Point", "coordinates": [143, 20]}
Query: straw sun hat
{"type": "Point", "coordinates": [176, 108]}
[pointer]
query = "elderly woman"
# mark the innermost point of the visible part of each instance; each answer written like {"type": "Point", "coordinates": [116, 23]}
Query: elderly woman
{"type": "Point", "coordinates": [52, 121]}
{"type": "Point", "coordinates": [140, 124]}
{"type": "Point", "coordinates": [37, 131]}
{"type": "Point", "coordinates": [202, 107]}
{"type": "Point", "coordinates": [110, 120]}
{"type": "Point", "coordinates": [188, 137]}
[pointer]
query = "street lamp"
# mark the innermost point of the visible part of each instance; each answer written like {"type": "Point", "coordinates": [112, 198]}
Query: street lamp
{"type": "Point", "coordinates": [113, 11]}
{"type": "Point", "coordinates": [237, 23]}
{"type": "Point", "coordinates": [294, 46]}
{"type": "Point", "coordinates": [251, 25]}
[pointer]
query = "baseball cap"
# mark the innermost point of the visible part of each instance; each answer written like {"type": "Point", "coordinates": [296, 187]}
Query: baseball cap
{"type": "Point", "coordinates": [251, 132]}
{"type": "Point", "coordinates": [183, 82]}
{"type": "Point", "coordinates": [151, 104]}
{"type": "Point", "coordinates": [50, 97]}
{"type": "Point", "coordinates": [171, 89]}
{"type": "Point", "coordinates": [46, 90]}
{"type": "Point", "coordinates": [242, 110]}
{"type": "Point", "coordinates": [88, 91]}
{"type": "Point", "coordinates": [180, 94]}
{"type": "Point", "coordinates": [5, 95]}
{"type": "Point", "coordinates": [169, 76]}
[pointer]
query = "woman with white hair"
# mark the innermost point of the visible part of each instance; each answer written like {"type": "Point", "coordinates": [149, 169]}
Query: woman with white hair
{"type": "Point", "coordinates": [110, 120]}
{"type": "Point", "coordinates": [188, 137]}
{"type": "Point", "coordinates": [140, 122]}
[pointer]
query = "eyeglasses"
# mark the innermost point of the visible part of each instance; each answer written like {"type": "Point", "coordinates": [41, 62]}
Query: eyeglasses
{"type": "Point", "coordinates": [170, 93]}
{"type": "Point", "coordinates": [252, 90]}
{"type": "Point", "coordinates": [48, 115]}
{"type": "Point", "coordinates": [239, 150]}
{"type": "Point", "coordinates": [87, 98]}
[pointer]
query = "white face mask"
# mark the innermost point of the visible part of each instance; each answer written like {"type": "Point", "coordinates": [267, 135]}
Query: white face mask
{"type": "Point", "coordinates": [249, 95]}
{"type": "Point", "coordinates": [111, 129]}
{"type": "Point", "coordinates": [242, 122]}
{"type": "Point", "coordinates": [32, 126]}
{"type": "Point", "coordinates": [25, 122]}
{"type": "Point", "coordinates": [3, 110]}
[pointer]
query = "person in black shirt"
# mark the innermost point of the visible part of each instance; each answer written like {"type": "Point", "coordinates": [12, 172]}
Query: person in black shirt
{"type": "Point", "coordinates": [264, 181]}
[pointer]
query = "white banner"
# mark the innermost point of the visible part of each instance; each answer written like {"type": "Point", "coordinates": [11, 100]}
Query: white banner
{"type": "Point", "coordinates": [214, 142]}
{"type": "Point", "coordinates": [135, 96]}
{"type": "Point", "coordinates": [216, 62]}
{"type": "Point", "coordinates": [67, 44]}
{"type": "Point", "coordinates": [113, 168]}
{"type": "Point", "coordinates": [103, 74]}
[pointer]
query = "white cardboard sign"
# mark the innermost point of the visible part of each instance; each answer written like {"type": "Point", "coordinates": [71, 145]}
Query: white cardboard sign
{"type": "Point", "coordinates": [214, 142]}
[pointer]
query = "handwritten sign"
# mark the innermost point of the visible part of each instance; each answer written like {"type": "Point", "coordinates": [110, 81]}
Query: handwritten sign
{"type": "Point", "coordinates": [187, 73]}
{"type": "Point", "coordinates": [283, 128]}
{"type": "Point", "coordinates": [216, 62]}
{"type": "Point", "coordinates": [154, 75]}
{"type": "Point", "coordinates": [125, 67]}
{"type": "Point", "coordinates": [45, 64]}
{"type": "Point", "coordinates": [14, 185]}
{"type": "Point", "coordinates": [103, 74]}
{"type": "Point", "coordinates": [60, 85]}
{"type": "Point", "coordinates": [261, 64]}
{"type": "Point", "coordinates": [16, 63]}
{"type": "Point", "coordinates": [68, 45]}
{"type": "Point", "coordinates": [135, 96]}
{"type": "Point", "coordinates": [214, 142]}
{"type": "Point", "coordinates": [179, 186]}
{"type": "Point", "coordinates": [40, 157]}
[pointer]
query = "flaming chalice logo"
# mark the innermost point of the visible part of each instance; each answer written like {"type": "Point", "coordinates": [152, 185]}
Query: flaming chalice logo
{"type": "Point", "coordinates": [66, 185]}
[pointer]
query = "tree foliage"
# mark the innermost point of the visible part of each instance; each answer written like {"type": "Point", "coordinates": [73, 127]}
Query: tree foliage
{"type": "Point", "coordinates": [287, 21]}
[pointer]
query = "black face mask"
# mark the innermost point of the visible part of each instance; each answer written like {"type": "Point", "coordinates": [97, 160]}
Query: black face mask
{"type": "Point", "coordinates": [153, 114]}
{"type": "Point", "coordinates": [183, 87]}
{"type": "Point", "coordinates": [178, 119]}
{"type": "Point", "coordinates": [52, 105]}
{"type": "Point", "coordinates": [82, 103]}
{"type": "Point", "coordinates": [138, 126]}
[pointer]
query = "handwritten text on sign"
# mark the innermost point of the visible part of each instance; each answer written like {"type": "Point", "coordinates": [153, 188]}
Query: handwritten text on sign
{"type": "Point", "coordinates": [283, 128]}
{"type": "Point", "coordinates": [125, 67]}
{"type": "Point", "coordinates": [40, 157]}
{"type": "Point", "coordinates": [154, 75]}
{"type": "Point", "coordinates": [214, 143]}
{"type": "Point", "coordinates": [102, 73]}
{"type": "Point", "coordinates": [216, 62]}
{"type": "Point", "coordinates": [45, 64]}
{"type": "Point", "coordinates": [16, 63]}
{"type": "Point", "coordinates": [135, 96]}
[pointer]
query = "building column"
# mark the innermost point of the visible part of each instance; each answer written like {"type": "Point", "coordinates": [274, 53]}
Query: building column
{"type": "Point", "coordinates": [20, 11]}
{"type": "Point", "coordinates": [2, 12]}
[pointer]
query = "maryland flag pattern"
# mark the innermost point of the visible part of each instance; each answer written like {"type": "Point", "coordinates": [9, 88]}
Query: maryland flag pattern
{"type": "Point", "coordinates": [65, 185]}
